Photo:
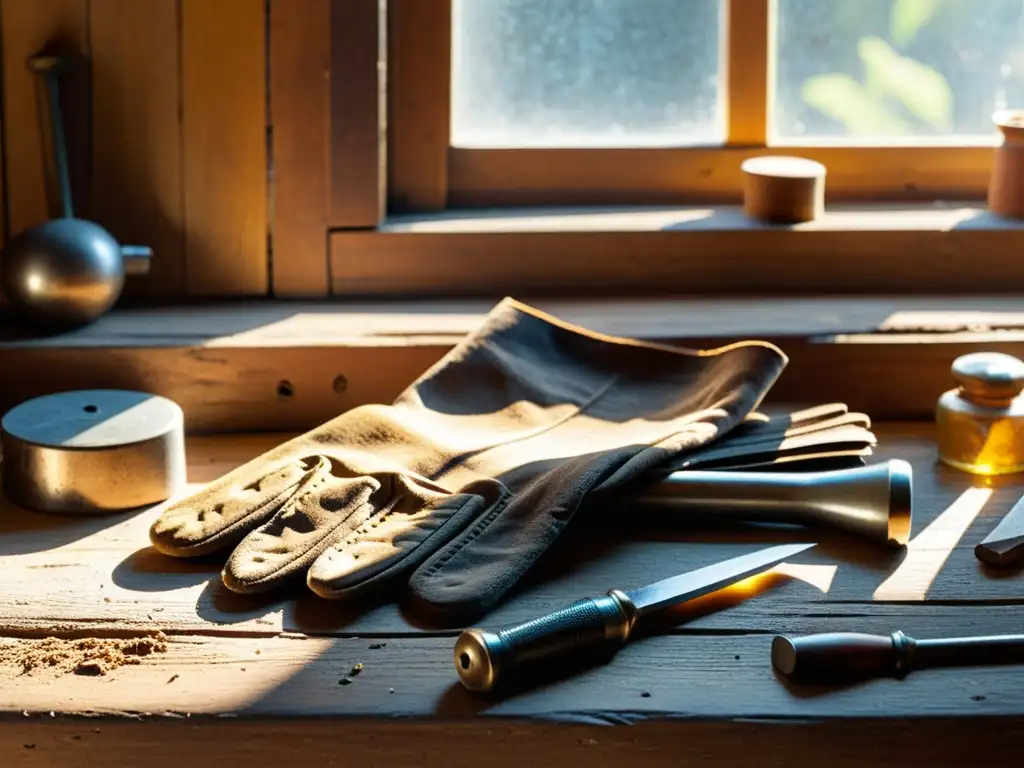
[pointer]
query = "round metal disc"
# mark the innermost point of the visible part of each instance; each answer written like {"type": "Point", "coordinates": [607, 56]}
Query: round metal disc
{"type": "Point", "coordinates": [93, 451]}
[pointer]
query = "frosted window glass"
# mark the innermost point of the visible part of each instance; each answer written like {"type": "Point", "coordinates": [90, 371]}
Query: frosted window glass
{"type": "Point", "coordinates": [585, 73]}
{"type": "Point", "coordinates": [896, 69]}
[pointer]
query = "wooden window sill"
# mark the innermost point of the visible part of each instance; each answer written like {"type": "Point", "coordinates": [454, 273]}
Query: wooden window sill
{"type": "Point", "coordinates": [940, 247]}
{"type": "Point", "coordinates": [270, 365]}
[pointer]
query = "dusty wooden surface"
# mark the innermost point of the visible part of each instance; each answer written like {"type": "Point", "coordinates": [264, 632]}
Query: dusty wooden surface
{"type": "Point", "coordinates": [238, 669]}
{"type": "Point", "coordinates": [266, 366]}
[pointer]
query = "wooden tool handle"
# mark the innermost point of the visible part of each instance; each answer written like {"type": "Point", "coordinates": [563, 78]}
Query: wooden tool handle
{"type": "Point", "coordinates": [840, 656]}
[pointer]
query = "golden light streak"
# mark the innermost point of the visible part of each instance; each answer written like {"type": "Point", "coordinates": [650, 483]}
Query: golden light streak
{"type": "Point", "coordinates": [928, 551]}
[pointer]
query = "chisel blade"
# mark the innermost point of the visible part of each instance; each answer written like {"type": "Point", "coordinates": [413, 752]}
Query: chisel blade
{"type": "Point", "coordinates": [1005, 545]}
{"type": "Point", "coordinates": [687, 586]}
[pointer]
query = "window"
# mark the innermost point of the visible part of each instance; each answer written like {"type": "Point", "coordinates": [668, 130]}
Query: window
{"type": "Point", "coordinates": [534, 102]}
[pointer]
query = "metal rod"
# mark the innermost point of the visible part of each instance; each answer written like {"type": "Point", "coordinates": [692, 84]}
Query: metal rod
{"type": "Point", "coordinates": [49, 68]}
{"type": "Point", "coordinates": [969, 651]}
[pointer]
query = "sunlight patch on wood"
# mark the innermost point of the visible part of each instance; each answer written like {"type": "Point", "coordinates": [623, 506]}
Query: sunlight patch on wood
{"type": "Point", "coordinates": [819, 576]}
{"type": "Point", "coordinates": [929, 550]}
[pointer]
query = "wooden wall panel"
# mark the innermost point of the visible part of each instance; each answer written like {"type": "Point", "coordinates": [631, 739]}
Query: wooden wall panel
{"type": "Point", "coordinates": [223, 49]}
{"type": "Point", "coordinates": [358, 112]}
{"type": "Point", "coordinates": [300, 97]}
{"type": "Point", "coordinates": [419, 104]}
{"type": "Point", "coordinates": [28, 27]}
{"type": "Point", "coordinates": [137, 184]}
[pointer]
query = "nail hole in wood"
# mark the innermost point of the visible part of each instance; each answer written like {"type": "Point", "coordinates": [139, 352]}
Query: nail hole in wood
{"type": "Point", "coordinates": [340, 384]}
{"type": "Point", "coordinates": [285, 389]}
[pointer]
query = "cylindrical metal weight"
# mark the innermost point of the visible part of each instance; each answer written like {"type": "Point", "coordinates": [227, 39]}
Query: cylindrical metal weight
{"type": "Point", "coordinates": [93, 451]}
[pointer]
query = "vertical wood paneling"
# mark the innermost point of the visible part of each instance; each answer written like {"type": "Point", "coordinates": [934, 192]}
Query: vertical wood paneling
{"type": "Point", "coordinates": [137, 185]}
{"type": "Point", "coordinates": [358, 114]}
{"type": "Point", "coordinates": [29, 26]}
{"type": "Point", "coordinates": [748, 70]}
{"type": "Point", "coordinates": [223, 50]}
{"type": "Point", "coordinates": [419, 104]}
{"type": "Point", "coordinates": [300, 86]}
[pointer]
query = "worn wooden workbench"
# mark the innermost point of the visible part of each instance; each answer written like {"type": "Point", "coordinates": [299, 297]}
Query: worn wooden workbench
{"type": "Point", "coordinates": [258, 679]}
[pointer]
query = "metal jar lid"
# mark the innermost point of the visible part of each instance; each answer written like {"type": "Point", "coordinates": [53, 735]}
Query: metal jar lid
{"type": "Point", "coordinates": [93, 451]}
{"type": "Point", "coordinates": [989, 377]}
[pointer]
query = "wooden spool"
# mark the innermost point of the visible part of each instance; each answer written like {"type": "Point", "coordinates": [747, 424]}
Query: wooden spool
{"type": "Point", "coordinates": [1006, 185]}
{"type": "Point", "coordinates": [784, 190]}
{"type": "Point", "coordinates": [93, 451]}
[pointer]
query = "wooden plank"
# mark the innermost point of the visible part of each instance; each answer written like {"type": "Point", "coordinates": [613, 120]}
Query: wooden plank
{"type": "Point", "coordinates": [137, 175]}
{"type": "Point", "coordinates": [28, 28]}
{"type": "Point", "coordinates": [708, 683]}
{"type": "Point", "coordinates": [270, 324]}
{"type": "Point", "coordinates": [224, 86]}
{"type": "Point", "coordinates": [702, 677]}
{"type": "Point", "coordinates": [749, 25]}
{"type": "Point", "coordinates": [358, 51]}
{"type": "Point", "coordinates": [101, 575]}
{"type": "Point", "coordinates": [166, 742]}
{"type": "Point", "coordinates": [419, 104]}
{"type": "Point", "coordinates": [300, 71]}
{"type": "Point", "coordinates": [703, 253]}
{"type": "Point", "coordinates": [226, 365]}
{"type": "Point", "coordinates": [529, 177]}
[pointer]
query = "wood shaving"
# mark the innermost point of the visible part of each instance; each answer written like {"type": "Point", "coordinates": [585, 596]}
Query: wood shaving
{"type": "Point", "coordinates": [91, 656]}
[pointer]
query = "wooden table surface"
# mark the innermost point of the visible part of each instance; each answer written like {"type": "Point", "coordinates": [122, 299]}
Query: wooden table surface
{"type": "Point", "coordinates": [257, 679]}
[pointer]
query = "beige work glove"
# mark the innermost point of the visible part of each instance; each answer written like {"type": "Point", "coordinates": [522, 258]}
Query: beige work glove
{"type": "Point", "coordinates": [467, 478]}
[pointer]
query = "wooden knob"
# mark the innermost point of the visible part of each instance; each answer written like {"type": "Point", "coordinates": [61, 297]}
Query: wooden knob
{"type": "Point", "coordinates": [786, 190]}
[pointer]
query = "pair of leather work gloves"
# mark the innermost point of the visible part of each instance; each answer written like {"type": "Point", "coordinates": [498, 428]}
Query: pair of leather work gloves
{"type": "Point", "coordinates": [454, 491]}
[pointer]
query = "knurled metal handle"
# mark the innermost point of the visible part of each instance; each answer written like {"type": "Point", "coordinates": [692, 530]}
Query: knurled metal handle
{"type": "Point", "coordinates": [487, 659]}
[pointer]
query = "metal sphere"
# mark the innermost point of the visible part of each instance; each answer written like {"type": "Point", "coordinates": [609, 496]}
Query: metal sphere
{"type": "Point", "coordinates": [63, 272]}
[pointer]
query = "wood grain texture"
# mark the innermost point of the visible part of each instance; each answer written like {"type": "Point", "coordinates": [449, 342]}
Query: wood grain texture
{"type": "Point", "coordinates": [28, 28]}
{"type": "Point", "coordinates": [239, 670]}
{"type": "Point", "coordinates": [225, 364]}
{"type": "Point", "coordinates": [358, 51]}
{"type": "Point", "coordinates": [37, 742]}
{"type": "Point", "coordinates": [699, 677]}
{"type": "Point", "coordinates": [223, 54]}
{"type": "Point", "coordinates": [528, 177]}
{"type": "Point", "coordinates": [300, 86]}
{"type": "Point", "coordinates": [749, 25]}
{"type": "Point", "coordinates": [101, 574]}
{"type": "Point", "coordinates": [137, 158]}
{"type": "Point", "coordinates": [419, 104]}
{"type": "Point", "coordinates": [720, 253]}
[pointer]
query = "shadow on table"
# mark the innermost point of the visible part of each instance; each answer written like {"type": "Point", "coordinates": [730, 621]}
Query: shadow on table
{"type": "Point", "coordinates": [24, 531]}
{"type": "Point", "coordinates": [147, 570]}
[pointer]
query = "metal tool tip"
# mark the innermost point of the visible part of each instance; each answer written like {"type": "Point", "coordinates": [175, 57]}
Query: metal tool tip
{"type": "Point", "coordinates": [783, 655]}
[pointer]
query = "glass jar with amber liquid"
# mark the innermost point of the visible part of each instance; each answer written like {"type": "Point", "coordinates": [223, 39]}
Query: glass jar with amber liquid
{"type": "Point", "coordinates": [980, 424]}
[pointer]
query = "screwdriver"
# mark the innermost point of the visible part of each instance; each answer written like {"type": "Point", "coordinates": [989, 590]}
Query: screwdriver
{"type": "Point", "coordinates": [845, 656]}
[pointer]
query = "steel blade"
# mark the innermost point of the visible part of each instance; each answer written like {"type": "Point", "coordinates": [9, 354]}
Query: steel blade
{"type": "Point", "coordinates": [687, 586]}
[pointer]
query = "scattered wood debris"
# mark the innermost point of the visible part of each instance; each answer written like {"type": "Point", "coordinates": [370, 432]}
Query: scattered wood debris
{"type": "Point", "coordinates": [91, 656]}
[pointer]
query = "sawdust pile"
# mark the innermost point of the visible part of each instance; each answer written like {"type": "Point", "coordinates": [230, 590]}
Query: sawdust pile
{"type": "Point", "coordinates": [79, 656]}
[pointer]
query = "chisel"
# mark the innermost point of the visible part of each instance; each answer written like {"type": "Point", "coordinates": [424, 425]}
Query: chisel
{"type": "Point", "coordinates": [847, 656]}
{"type": "Point", "coordinates": [485, 660]}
